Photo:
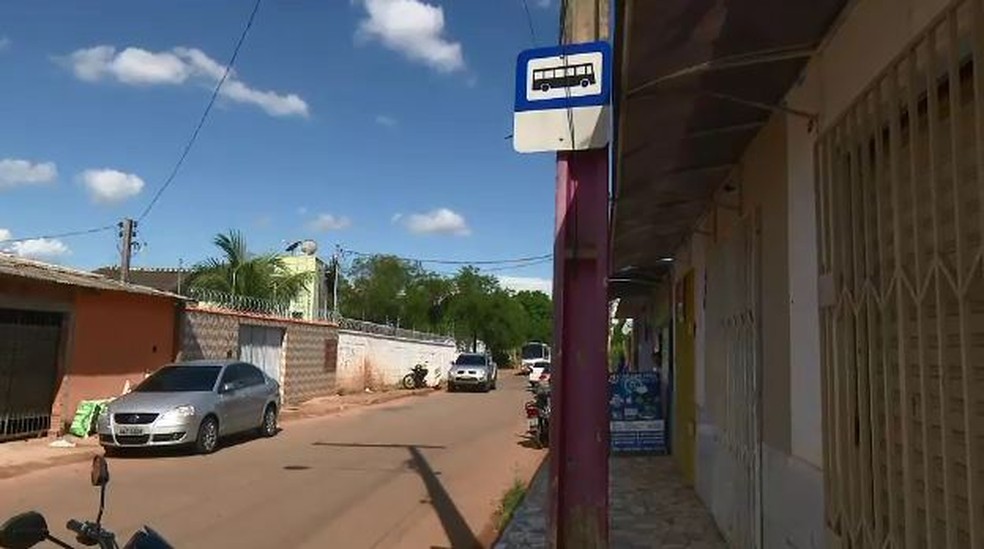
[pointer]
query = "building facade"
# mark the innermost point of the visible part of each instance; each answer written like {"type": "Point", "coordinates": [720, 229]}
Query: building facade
{"type": "Point", "coordinates": [807, 181]}
{"type": "Point", "coordinates": [68, 336]}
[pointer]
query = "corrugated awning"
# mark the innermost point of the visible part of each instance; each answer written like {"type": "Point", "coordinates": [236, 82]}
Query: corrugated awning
{"type": "Point", "coordinates": [696, 80]}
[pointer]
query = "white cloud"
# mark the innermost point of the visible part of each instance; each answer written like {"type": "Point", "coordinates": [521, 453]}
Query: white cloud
{"type": "Point", "coordinates": [35, 248]}
{"type": "Point", "coordinates": [109, 186]}
{"type": "Point", "coordinates": [140, 67]}
{"type": "Point", "coordinates": [4, 43]}
{"type": "Point", "coordinates": [328, 222]}
{"type": "Point", "coordinates": [14, 172]}
{"type": "Point", "coordinates": [413, 28]}
{"type": "Point", "coordinates": [527, 283]}
{"type": "Point", "coordinates": [439, 221]}
{"type": "Point", "coordinates": [386, 121]}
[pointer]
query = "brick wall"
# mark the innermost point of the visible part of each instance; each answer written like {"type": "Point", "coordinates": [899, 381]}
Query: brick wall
{"type": "Point", "coordinates": [309, 348]}
{"type": "Point", "coordinates": [309, 368]}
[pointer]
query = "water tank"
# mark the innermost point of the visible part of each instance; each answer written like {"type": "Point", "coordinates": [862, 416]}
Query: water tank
{"type": "Point", "coordinates": [309, 247]}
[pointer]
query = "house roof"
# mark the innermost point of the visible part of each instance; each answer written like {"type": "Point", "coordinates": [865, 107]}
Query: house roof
{"type": "Point", "coordinates": [11, 265]}
{"type": "Point", "coordinates": [696, 80]}
{"type": "Point", "coordinates": [165, 279]}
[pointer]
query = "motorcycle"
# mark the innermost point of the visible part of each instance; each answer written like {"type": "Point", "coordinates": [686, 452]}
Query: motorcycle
{"type": "Point", "coordinates": [417, 378]}
{"type": "Point", "coordinates": [29, 529]}
{"type": "Point", "coordinates": [538, 416]}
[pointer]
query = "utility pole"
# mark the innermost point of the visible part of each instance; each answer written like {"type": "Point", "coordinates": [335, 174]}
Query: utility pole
{"type": "Point", "coordinates": [579, 430]}
{"type": "Point", "coordinates": [127, 232]}
{"type": "Point", "coordinates": [336, 261]}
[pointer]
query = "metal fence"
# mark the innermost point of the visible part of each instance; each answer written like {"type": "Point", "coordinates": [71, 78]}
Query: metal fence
{"type": "Point", "coordinates": [210, 299]}
{"type": "Point", "coordinates": [393, 331]}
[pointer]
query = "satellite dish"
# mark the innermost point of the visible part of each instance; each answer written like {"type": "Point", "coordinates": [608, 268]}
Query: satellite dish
{"type": "Point", "coordinates": [309, 247]}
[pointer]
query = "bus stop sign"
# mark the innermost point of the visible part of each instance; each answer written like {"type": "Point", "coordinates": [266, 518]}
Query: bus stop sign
{"type": "Point", "coordinates": [563, 98]}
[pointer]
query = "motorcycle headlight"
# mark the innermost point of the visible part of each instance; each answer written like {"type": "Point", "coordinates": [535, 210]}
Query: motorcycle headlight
{"type": "Point", "coordinates": [180, 412]}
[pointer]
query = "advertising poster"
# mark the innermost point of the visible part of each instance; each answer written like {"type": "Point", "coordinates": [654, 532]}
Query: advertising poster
{"type": "Point", "coordinates": [636, 413]}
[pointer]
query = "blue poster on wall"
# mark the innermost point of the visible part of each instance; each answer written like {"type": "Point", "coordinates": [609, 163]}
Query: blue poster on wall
{"type": "Point", "coordinates": [636, 413]}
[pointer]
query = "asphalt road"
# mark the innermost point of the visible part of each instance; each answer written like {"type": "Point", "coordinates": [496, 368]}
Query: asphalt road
{"type": "Point", "coordinates": [417, 472]}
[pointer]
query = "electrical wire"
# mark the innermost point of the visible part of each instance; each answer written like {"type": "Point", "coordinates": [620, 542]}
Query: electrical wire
{"type": "Point", "coordinates": [205, 113]}
{"type": "Point", "coordinates": [529, 21]}
{"type": "Point", "coordinates": [67, 234]}
{"type": "Point", "coordinates": [567, 90]}
{"type": "Point", "coordinates": [184, 152]}
{"type": "Point", "coordinates": [517, 260]}
{"type": "Point", "coordinates": [514, 267]}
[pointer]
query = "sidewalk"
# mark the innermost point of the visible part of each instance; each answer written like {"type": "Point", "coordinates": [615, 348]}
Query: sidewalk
{"type": "Point", "coordinates": [650, 506]}
{"type": "Point", "coordinates": [25, 456]}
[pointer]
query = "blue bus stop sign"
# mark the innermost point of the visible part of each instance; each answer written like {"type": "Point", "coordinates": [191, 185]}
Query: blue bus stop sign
{"type": "Point", "coordinates": [563, 97]}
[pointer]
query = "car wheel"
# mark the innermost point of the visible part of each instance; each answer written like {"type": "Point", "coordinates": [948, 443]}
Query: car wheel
{"type": "Point", "coordinates": [451, 388]}
{"type": "Point", "coordinates": [269, 426]}
{"type": "Point", "coordinates": [485, 387]}
{"type": "Point", "coordinates": [208, 436]}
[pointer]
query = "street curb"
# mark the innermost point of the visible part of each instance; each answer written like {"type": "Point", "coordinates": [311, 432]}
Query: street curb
{"type": "Point", "coordinates": [286, 417]}
{"type": "Point", "coordinates": [290, 416]}
{"type": "Point", "coordinates": [540, 469]}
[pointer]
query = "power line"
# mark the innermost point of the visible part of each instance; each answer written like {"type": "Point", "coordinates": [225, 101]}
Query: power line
{"type": "Point", "coordinates": [522, 266]}
{"type": "Point", "coordinates": [60, 235]}
{"type": "Point", "coordinates": [457, 262]}
{"type": "Point", "coordinates": [204, 117]}
{"type": "Point", "coordinates": [184, 152]}
{"type": "Point", "coordinates": [529, 21]}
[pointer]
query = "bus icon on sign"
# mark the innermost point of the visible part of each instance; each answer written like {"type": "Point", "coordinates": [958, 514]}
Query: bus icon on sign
{"type": "Point", "coordinates": [568, 76]}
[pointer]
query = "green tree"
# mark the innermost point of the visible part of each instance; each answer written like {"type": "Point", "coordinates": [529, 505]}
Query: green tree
{"type": "Point", "coordinates": [470, 304]}
{"type": "Point", "coordinates": [539, 313]}
{"type": "Point", "coordinates": [238, 272]}
{"type": "Point", "coordinates": [505, 325]}
{"type": "Point", "coordinates": [376, 289]}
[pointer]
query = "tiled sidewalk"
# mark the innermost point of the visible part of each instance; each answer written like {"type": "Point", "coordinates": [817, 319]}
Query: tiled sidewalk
{"type": "Point", "coordinates": [651, 506]}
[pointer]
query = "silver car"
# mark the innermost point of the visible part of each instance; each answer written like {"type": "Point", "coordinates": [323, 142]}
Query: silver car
{"type": "Point", "coordinates": [191, 403]}
{"type": "Point", "coordinates": [473, 370]}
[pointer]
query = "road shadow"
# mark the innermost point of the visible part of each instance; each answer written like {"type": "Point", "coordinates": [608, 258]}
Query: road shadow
{"type": "Point", "coordinates": [452, 521]}
{"type": "Point", "coordinates": [454, 524]}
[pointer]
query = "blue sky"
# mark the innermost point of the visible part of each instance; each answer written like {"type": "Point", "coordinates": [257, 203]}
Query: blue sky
{"type": "Point", "coordinates": [377, 124]}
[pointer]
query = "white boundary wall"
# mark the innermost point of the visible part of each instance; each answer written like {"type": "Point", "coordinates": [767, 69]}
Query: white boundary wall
{"type": "Point", "coordinates": [375, 361]}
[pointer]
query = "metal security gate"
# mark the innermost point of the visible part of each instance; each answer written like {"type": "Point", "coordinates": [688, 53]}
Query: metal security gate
{"type": "Point", "coordinates": [900, 199]}
{"type": "Point", "coordinates": [29, 346]}
{"type": "Point", "coordinates": [732, 373]}
{"type": "Point", "coordinates": [264, 347]}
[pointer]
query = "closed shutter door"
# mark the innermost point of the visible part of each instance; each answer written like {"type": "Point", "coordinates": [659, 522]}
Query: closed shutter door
{"type": "Point", "coordinates": [29, 346]}
{"type": "Point", "coordinates": [733, 375]}
{"type": "Point", "coordinates": [263, 347]}
{"type": "Point", "coordinates": [900, 187]}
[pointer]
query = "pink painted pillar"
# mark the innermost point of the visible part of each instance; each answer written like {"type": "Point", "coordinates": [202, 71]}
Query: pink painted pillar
{"type": "Point", "coordinates": [579, 381]}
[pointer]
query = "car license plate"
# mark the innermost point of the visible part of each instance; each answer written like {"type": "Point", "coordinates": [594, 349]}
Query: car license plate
{"type": "Point", "coordinates": [129, 430]}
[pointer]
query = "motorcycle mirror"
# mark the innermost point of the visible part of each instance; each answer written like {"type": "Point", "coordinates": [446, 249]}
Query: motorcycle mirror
{"type": "Point", "coordinates": [23, 531]}
{"type": "Point", "coordinates": [100, 471]}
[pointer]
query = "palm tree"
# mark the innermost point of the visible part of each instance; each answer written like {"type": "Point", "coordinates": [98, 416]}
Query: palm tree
{"type": "Point", "coordinates": [239, 273]}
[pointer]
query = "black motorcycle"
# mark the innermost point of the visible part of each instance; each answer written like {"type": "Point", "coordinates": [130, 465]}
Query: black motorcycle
{"type": "Point", "coordinates": [538, 416]}
{"type": "Point", "coordinates": [417, 378]}
{"type": "Point", "coordinates": [29, 529]}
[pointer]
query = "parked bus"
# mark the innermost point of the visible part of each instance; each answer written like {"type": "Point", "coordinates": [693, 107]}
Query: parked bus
{"type": "Point", "coordinates": [581, 74]}
{"type": "Point", "coordinates": [533, 352]}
